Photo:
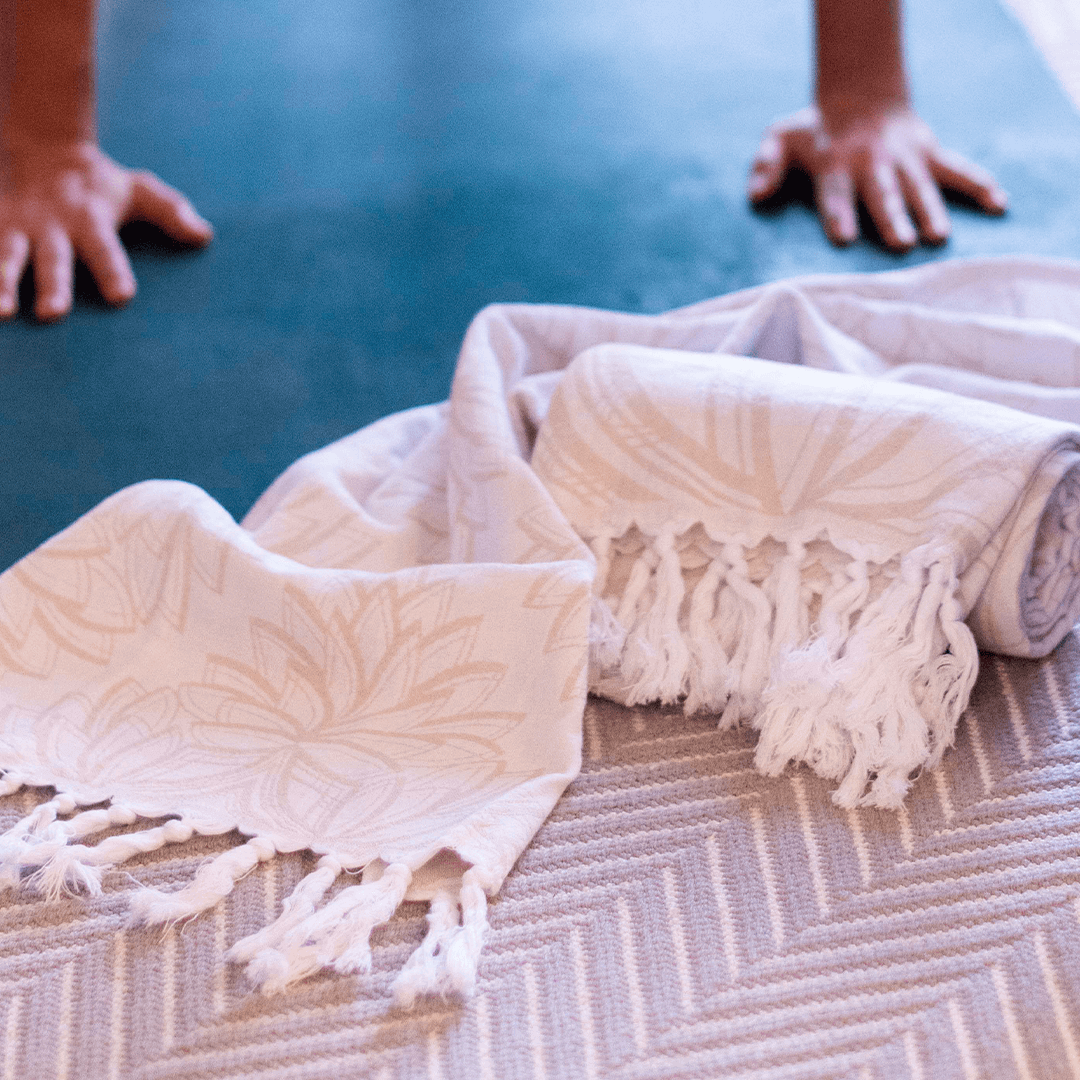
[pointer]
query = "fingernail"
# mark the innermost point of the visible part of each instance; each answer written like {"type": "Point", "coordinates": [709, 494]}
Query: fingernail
{"type": "Point", "coordinates": [50, 309]}
{"type": "Point", "coordinates": [196, 221]}
{"type": "Point", "coordinates": [841, 231]}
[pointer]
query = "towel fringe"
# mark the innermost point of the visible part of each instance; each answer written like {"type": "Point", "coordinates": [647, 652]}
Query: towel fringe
{"type": "Point", "coordinates": [299, 905]}
{"type": "Point", "coordinates": [709, 675]}
{"type": "Point", "coordinates": [861, 674]}
{"type": "Point", "coordinates": [446, 961]}
{"type": "Point", "coordinates": [304, 939]}
{"type": "Point", "coordinates": [336, 936]}
{"type": "Point", "coordinates": [213, 882]}
{"type": "Point", "coordinates": [656, 657]}
{"type": "Point", "coordinates": [10, 783]}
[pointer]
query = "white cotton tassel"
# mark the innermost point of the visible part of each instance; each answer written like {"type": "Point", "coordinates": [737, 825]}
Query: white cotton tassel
{"type": "Point", "coordinates": [27, 833]}
{"type": "Point", "coordinates": [89, 822]}
{"type": "Point", "coordinates": [10, 783]}
{"type": "Point", "coordinates": [606, 635]}
{"type": "Point", "coordinates": [709, 678]}
{"type": "Point", "coordinates": [880, 671]}
{"type": "Point", "coordinates": [601, 549]}
{"type": "Point", "coordinates": [338, 935]}
{"type": "Point", "coordinates": [38, 820]}
{"type": "Point", "coordinates": [951, 678]}
{"type": "Point", "coordinates": [447, 959]}
{"type": "Point", "coordinates": [63, 868]}
{"type": "Point", "coordinates": [214, 881]}
{"type": "Point", "coordinates": [751, 660]}
{"type": "Point", "coordinates": [842, 603]}
{"type": "Point", "coordinates": [606, 639]}
{"type": "Point", "coordinates": [65, 873]}
{"type": "Point", "coordinates": [656, 656]}
{"type": "Point", "coordinates": [636, 584]}
{"type": "Point", "coordinates": [299, 905]}
{"type": "Point", "coordinates": [424, 970]}
{"type": "Point", "coordinates": [790, 604]}
{"type": "Point", "coordinates": [627, 616]}
{"type": "Point", "coordinates": [889, 703]}
{"type": "Point", "coordinates": [800, 717]}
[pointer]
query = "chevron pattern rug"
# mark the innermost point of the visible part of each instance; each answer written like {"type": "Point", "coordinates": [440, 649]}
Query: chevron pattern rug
{"type": "Point", "coordinates": [679, 916]}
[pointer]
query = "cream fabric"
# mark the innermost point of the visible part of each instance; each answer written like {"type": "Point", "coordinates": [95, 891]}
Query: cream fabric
{"type": "Point", "coordinates": [387, 659]}
{"type": "Point", "coordinates": [798, 548]}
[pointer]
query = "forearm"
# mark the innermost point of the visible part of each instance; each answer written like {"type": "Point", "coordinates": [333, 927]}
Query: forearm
{"type": "Point", "coordinates": [47, 70]}
{"type": "Point", "coordinates": [860, 56]}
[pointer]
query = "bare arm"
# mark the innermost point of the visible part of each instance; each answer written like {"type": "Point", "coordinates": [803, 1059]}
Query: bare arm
{"type": "Point", "coordinates": [861, 140]}
{"type": "Point", "coordinates": [60, 196]}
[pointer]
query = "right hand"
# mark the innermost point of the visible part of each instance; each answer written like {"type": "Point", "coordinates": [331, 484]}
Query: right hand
{"type": "Point", "coordinates": [882, 155]}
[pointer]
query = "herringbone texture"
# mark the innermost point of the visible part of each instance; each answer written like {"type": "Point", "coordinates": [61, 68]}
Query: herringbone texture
{"type": "Point", "coordinates": [678, 916]}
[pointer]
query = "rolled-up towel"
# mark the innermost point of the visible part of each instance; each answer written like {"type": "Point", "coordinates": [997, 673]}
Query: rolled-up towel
{"type": "Point", "coordinates": [801, 548]}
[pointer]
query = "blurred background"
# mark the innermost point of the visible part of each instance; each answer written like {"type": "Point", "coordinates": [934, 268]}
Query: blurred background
{"type": "Point", "coordinates": [378, 170]}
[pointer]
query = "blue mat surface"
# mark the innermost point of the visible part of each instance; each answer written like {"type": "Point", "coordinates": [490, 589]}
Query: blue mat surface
{"type": "Point", "coordinates": [378, 171]}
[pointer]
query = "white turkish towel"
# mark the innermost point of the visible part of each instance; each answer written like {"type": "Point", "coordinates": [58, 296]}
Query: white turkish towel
{"type": "Point", "coordinates": [387, 660]}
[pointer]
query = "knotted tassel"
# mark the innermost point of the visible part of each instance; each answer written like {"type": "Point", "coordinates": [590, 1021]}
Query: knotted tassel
{"type": "Point", "coordinates": [751, 660]}
{"type": "Point", "coordinates": [709, 679]}
{"type": "Point", "coordinates": [886, 701]}
{"type": "Point", "coordinates": [212, 883]}
{"type": "Point", "coordinates": [606, 636]}
{"type": "Point", "coordinates": [299, 905]}
{"type": "Point", "coordinates": [656, 656]}
{"type": "Point", "coordinates": [10, 783]}
{"type": "Point", "coordinates": [446, 961]}
{"type": "Point", "coordinates": [25, 834]}
{"type": "Point", "coordinates": [336, 936]}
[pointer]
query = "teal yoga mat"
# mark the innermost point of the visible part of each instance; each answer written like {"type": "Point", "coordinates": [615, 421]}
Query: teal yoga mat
{"type": "Point", "coordinates": [378, 171]}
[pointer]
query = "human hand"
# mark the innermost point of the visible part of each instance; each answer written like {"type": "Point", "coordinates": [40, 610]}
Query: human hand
{"type": "Point", "coordinates": [62, 201]}
{"type": "Point", "coordinates": [883, 156]}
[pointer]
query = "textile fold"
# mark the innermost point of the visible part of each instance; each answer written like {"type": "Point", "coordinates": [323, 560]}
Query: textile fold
{"type": "Point", "coordinates": [772, 506]}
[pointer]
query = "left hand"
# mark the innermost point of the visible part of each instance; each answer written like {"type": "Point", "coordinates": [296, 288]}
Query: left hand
{"type": "Point", "coordinates": [63, 200]}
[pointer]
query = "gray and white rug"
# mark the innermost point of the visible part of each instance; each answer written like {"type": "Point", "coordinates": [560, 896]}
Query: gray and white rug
{"type": "Point", "coordinates": [678, 916]}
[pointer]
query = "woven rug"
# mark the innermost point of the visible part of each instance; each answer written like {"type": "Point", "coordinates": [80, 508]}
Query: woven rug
{"type": "Point", "coordinates": [679, 915]}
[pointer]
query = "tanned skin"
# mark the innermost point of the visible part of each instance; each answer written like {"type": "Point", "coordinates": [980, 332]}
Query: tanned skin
{"type": "Point", "coordinates": [862, 142]}
{"type": "Point", "coordinates": [60, 196]}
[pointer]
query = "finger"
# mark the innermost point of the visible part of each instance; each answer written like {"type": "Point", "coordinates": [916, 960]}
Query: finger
{"type": "Point", "coordinates": [835, 194]}
{"type": "Point", "coordinates": [53, 274]}
{"type": "Point", "coordinates": [954, 172]}
{"type": "Point", "coordinates": [925, 202]}
{"type": "Point", "coordinates": [885, 202]}
{"type": "Point", "coordinates": [769, 167]}
{"type": "Point", "coordinates": [104, 255]}
{"type": "Point", "coordinates": [14, 251]}
{"type": "Point", "coordinates": [154, 201]}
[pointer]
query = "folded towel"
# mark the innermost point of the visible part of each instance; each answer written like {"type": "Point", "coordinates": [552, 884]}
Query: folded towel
{"type": "Point", "coordinates": [800, 548]}
{"type": "Point", "coordinates": [387, 661]}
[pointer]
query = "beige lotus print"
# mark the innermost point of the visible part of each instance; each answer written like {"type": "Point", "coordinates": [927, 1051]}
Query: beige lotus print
{"type": "Point", "coordinates": [109, 575]}
{"type": "Point", "coordinates": [765, 448]}
{"type": "Point", "coordinates": [336, 713]}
